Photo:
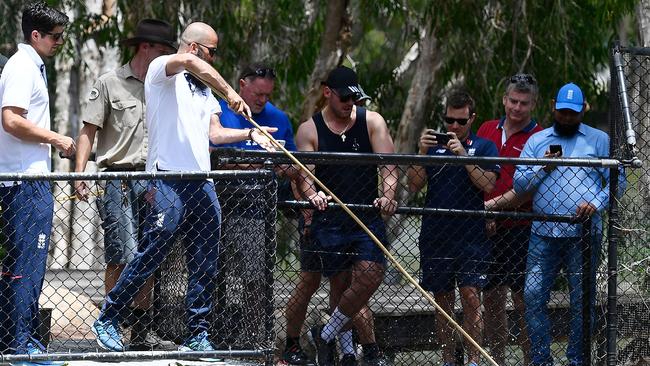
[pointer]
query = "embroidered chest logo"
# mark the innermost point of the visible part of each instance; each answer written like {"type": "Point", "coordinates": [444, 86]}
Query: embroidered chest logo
{"type": "Point", "coordinates": [41, 241]}
{"type": "Point", "coordinates": [471, 151]}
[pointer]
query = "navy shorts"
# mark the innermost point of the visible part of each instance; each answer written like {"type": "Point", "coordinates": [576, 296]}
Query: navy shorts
{"type": "Point", "coordinates": [310, 260]}
{"type": "Point", "coordinates": [509, 254]}
{"type": "Point", "coordinates": [340, 246]}
{"type": "Point", "coordinates": [446, 265]}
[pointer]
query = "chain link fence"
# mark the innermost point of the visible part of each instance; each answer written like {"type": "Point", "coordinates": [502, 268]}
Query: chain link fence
{"type": "Point", "coordinates": [630, 111]}
{"type": "Point", "coordinates": [199, 283]}
{"type": "Point", "coordinates": [266, 283]}
{"type": "Point", "coordinates": [449, 249]}
{"type": "Point", "coordinates": [259, 261]}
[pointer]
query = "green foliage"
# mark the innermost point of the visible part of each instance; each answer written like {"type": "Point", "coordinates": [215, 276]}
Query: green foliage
{"type": "Point", "coordinates": [481, 43]}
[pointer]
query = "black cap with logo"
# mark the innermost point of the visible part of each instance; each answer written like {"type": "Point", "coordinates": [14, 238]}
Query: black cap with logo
{"type": "Point", "coordinates": [344, 82]}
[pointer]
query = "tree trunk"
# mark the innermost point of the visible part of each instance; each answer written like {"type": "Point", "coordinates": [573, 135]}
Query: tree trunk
{"type": "Point", "coordinates": [417, 102]}
{"type": "Point", "coordinates": [643, 20]}
{"type": "Point", "coordinates": [334, 46]}
{"type": "Point", "coordinates": [411, 125]}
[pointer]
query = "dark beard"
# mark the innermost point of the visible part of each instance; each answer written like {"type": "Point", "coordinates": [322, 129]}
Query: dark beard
{"type": "Point", "coordinates": [195, 81]}
{"type": "Point", "coordinates": [565, 130]}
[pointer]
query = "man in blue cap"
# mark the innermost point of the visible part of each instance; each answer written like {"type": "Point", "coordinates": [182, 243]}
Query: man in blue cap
{"type": "Point", "coordinates": [562, 190]}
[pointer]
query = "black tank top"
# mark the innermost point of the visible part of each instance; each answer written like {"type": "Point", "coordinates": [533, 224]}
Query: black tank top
{"type": "Point", "coordinates": [351, 183]}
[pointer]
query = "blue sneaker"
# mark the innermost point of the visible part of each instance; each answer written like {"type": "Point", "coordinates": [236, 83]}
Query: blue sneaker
{"type": "Point", "coordinates": [35, 347]}
{"type": "Point", "coordinates": [108, 335]}
{"type": "Point", "coordinates": [200, 343]}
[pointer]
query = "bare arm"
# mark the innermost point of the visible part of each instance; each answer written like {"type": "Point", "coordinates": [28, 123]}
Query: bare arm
{"type": "Point", "coordinates": [204, 71]}
{"type": "Point", "coordinates": [84, 146]}
{"type": "Point", "coordinates": [482, 179]}
{"type": "Point", "coordinates": [417, 176]}
{"type": "Point", "coordinates": [307, 140]}
{"type": "Point", "coordinates": [508, 200]}
{"type": "Point", "coordinates": [223, 135]}
{"type": "Point", "coordinates": [18, 126]}
{"type": "Point", "coordinates": [382, 143]}
{"type": "Point", "coordinates": [85, 143]}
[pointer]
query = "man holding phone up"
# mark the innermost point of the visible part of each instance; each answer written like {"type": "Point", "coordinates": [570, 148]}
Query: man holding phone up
{"type": "Point", "coordinates": [453, 250]}
{"type": "Point", "coordinates": [562, 190]}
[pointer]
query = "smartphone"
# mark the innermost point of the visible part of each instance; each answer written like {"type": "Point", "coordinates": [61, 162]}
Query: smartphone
{"type": "Point", "coordinates": [555, 149]}
{"type": "Point", "coordinates": [441, 138]}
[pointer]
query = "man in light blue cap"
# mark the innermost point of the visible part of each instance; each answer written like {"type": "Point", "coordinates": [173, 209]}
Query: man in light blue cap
{"type": "Point", "coordinates": [562, 190]}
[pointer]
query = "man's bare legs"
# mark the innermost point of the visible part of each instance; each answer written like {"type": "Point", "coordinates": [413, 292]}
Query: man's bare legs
{"type": "Point", "coordinates": [444, 330]}
{"type": "Point", "coordinates": [496, 321]}
{"type": "Point", "coordinates": [296, 311]}
{"type": "Point", "coordinates": [363, 321]}
{"type": "Point", "coordinates": [472, 322]}
{"type": "Point", "coordinates": [470, 298]}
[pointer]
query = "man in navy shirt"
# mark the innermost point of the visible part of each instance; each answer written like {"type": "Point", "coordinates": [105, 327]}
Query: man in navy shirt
{"type": "Point", "coordinates": [453, 250]}
{"type": "Point", "coordinates": [256, 84]}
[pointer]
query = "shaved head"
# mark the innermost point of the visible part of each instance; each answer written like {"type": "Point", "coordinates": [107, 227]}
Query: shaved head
{"type": "Point", "coordinates": [199, 32]}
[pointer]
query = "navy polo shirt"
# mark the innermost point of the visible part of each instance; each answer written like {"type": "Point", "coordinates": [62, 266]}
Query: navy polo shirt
{"type": "Point", "coordinates": [449, 186]}
{"type": "Point", "coordinates": [270, 116]}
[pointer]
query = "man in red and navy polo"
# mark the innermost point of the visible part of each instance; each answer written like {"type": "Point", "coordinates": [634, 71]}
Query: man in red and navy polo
{"type": "Point", "coordinates": [509, 237]}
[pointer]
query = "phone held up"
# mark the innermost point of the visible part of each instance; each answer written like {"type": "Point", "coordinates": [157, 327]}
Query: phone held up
{"type": "Point", "coordinates": [554, 149]}
{"type": "Point", "coordinates": [441, 138]}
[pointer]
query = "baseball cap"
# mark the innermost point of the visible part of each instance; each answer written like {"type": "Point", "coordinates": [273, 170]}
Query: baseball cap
{"type": "Point", "coordinates": [344, 81]}
{"type": "Point", "coordinates": [570, 97]}
{"type": "Point", "coordinates": [362, 95]}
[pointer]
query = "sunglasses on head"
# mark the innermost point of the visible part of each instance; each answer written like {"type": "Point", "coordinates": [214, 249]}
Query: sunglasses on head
{"type": "Point", "coordinates": [262, 73]}
{"type": "Point", "coordinates": [523, 78]}
{"type": "Point", "coordinates": [451, 121]}
{"type": "Point", "coordinates": [350, 97]}
{"type": "Point", "coordinates": [55, 36]}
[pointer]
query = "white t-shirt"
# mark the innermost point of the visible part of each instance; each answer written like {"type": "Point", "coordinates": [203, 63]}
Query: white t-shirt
{"type": "Point", "coordinates": [23, 85]}
{"type": "Point", "coordinates": [178, 120]}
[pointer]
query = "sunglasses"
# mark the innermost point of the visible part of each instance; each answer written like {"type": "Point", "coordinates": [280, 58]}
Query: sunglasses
{"type": "Point", "coordinates": [344, 99]}
{"type": "Point", "coordinates": [460, 121]}
{"type": "Point", "coordinates": [262, 73]}
{"type": "Point", "coordinates": [523, 78]}
{"type": "Point", "coordinates": [211, 50]}
{"type": "Point", "coordinates": [55, 36]}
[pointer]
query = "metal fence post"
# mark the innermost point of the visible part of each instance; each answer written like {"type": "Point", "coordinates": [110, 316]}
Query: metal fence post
{"type": "Point", "coordinates": [613, 234]}
{"type": "Point", "coordinates": [586, 291]}
{"type": "Point", "coordinates": [270, 199]}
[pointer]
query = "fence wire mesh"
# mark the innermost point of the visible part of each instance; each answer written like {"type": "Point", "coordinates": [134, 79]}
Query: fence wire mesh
{"type": "Point", "coordinates": [199, 281]}
{"type": "Point", "coordinates": [263, 290]}
{"type": "Point", "coordinates": [630, 106]}
{"type": "Point", "coordinates": [442, 242]}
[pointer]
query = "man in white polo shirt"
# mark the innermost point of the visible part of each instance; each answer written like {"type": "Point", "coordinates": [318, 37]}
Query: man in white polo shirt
{"type": "Point", "coordinates": [27, 206]}
{"type": "Point", "coordinates": [182, 119]}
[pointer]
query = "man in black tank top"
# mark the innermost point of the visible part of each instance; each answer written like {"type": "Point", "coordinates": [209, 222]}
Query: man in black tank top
{"type": "Point", "coordinates": [344, 252]}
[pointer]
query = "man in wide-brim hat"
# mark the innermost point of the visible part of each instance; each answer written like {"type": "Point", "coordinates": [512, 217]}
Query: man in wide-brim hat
{"type": "Point", "coordinates": [153, 31]}
{"type": "Point", "coordinates": [115, 111]}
